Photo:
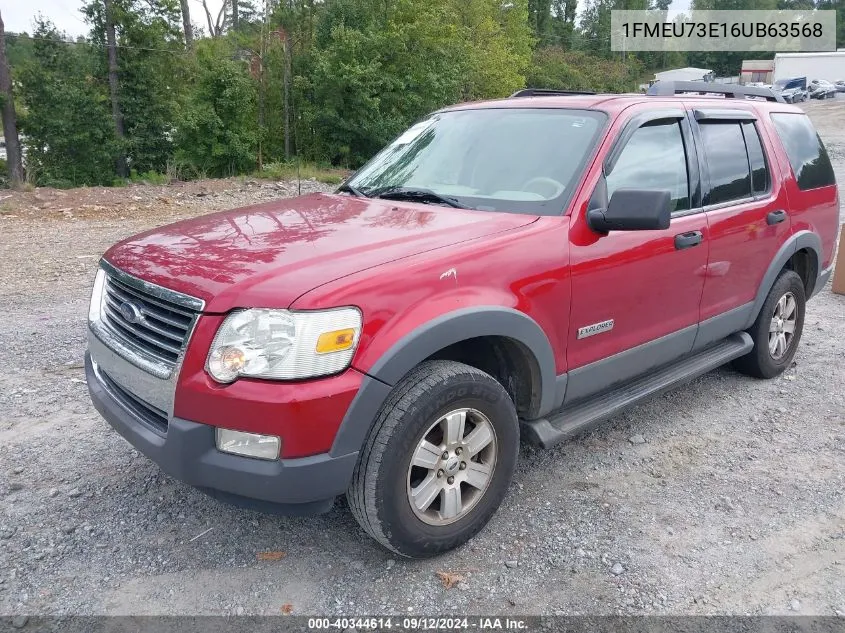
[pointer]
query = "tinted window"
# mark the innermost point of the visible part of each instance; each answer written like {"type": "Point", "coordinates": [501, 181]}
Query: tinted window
{"type": "Point", "coordinates": [653, 158]}
{"type": "Point", "coordinates": [727, 162]}
{"type": "Point", "coordinates": [759, 170]}
{"type": "Point", "coordinates": [805, 150]}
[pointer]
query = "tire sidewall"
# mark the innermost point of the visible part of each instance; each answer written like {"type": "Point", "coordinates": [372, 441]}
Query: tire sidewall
{"type": "Point", "coordinates": [418, 538]}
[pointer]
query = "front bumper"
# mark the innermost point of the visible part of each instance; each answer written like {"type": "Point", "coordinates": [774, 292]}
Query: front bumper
{"type": "Point", "coordinates": [187, 451]}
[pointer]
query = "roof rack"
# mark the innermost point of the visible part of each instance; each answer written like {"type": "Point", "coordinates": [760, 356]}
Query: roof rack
{"type": "Point", "coordinates": [731, 91]}
{"type": "Point", "coordinates": [547, 92]}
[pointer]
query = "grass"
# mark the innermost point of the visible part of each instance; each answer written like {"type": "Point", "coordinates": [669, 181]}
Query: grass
{"type": "Point", "coordinates": [148, 178]}
{"type": "Point", "coordinates": [306, 171]}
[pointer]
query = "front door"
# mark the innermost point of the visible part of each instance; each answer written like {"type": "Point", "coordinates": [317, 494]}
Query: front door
{"type": "Point", "coordinates": [636, 294]}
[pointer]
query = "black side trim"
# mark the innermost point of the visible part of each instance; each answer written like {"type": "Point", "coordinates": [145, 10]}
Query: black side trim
{"type": "Point", "coordinates": [360, 416]}
{"type": "Point", "coordinates": [802, 239]}
{"type": "Point", "coordinates": [722, 325]}
{"type": "Point", "coordinates": [435, 335]}
{"type": "Point", "coordinates": [597, 376]}
{"type": "Point", "coordinates": [469, 323]}
{"type": "Point", "coordinates": [576, 419]}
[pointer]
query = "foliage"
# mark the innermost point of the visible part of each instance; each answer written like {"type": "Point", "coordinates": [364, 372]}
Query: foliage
{"type": "Point", "coordinates": [305, 171]}
{"type": "Point", "coordinates": [574, 70]}
{"type": "Point", "coordinates": [321, 82]}
{"type": "Point", "coordinates": [216, 133]}
{"type": "Point", "coordinates": [150, 70]}
{"type": "Point", "coordinates": [67, 129]}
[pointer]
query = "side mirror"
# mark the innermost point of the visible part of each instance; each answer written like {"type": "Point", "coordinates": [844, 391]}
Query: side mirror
{"type": "Point", "coordinates": [632, 210]}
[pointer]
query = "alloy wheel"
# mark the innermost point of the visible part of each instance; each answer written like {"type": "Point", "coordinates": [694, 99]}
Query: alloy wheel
{"type": "Point", "coordinates": [452, 466]}
{"type": "Point", "coordinates": [782, 326]}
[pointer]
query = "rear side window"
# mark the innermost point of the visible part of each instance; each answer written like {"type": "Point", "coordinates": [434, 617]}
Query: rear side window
{"type": "Point", "coordinates": [654, 158]}
{"type": "Point", "coordinates": [757, 159]}
{"type": "Point", "coordinates": [807, 155]}
{"type": "Point", "coordinates": [727, 161]}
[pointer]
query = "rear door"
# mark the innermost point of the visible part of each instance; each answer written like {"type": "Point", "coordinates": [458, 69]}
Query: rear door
{"type": "Point", "coordinates": [636, 294]}
{"type": "Point", "coordinates": [747, 212]}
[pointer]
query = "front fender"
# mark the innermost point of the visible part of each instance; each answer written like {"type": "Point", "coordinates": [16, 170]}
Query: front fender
{"type": "Point", "coordinates": [432, 336]}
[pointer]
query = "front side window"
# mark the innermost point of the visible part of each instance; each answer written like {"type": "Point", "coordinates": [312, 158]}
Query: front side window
{"type": "Point", "coordinates": [806, 152]}
{"type": "Point", "coordinates": [727, 161]}
{"type": "Point", "coordinates": [518, 160]}
{"type": "Point", "coordinates": [654, 158]}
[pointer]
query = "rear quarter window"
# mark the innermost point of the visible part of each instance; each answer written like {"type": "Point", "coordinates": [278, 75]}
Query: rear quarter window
{"type": "Point", "coordinates": [807, 155]}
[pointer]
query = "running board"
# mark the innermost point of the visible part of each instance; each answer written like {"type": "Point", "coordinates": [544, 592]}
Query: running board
{"type": "Point", "coordinates": [572, 420]}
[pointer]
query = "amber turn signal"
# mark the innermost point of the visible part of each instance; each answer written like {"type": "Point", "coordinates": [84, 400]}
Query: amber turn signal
{"type": "Point", "coordinates": [335, 341]}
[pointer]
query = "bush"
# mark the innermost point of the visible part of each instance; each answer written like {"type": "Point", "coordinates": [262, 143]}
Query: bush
{"type": "Point", "coordinates": [305, 171]}
{"type": "Point", "coordinates": [558, 69]}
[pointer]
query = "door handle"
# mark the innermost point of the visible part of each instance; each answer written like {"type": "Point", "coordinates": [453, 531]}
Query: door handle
{"type": "Point", "coordinates": [776, 217]}
{"type": "Point", "coordinates": [688, 240]}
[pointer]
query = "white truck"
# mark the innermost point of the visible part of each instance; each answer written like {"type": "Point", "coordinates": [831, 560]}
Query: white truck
{"type": "Point", "coordinates": [829, 66]}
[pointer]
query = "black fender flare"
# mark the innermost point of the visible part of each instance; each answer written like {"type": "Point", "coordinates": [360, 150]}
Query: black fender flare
{"type": "Point", "coordinates": [798, 241]}
{"type": "Point", "coordinates": [415, 347]}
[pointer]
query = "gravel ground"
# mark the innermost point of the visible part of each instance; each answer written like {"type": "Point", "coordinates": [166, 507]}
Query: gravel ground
{"type": "Point", "coordinates": [722, 497]}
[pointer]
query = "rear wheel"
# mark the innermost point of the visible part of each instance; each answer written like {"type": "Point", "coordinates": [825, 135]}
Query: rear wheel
{"type": "Point", "coordinates": [438, 460]}
{"type": "Point", "coordinates": [777, 330]}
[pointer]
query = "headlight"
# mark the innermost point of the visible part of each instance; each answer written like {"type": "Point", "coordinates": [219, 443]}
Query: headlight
{"type": "Point", "coordinates": [283, 345]}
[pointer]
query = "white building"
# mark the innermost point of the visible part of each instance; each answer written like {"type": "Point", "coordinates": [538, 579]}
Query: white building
{"type": "Point", "coordinates": [830, 66]}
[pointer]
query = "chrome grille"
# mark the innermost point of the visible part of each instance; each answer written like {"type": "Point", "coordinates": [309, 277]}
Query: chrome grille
{"type": "Point", "coordinates": [162, 327]}
{"type": "Point", "coordinates": [154, 418]}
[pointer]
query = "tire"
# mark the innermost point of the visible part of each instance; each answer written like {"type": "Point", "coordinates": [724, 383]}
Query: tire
{"type": "Point", "coordinates": [385, 484]}
{"type": "Point", "coordinates": [762, 361]}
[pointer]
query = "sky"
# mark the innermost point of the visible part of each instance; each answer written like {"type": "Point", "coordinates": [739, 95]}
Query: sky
{"type": "Point", "coordinates": [18, 14]}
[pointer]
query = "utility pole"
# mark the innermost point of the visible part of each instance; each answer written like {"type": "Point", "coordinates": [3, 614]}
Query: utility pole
{"type": "Point", "coordinates": [286, 99]}
{"type": "Point", "coordinates": [186, 25]}
{"type": "Point", "coordinates": [114, 89]}
{"type": "Point", "coordinates": [235, 16]}
{"type": "Point", "coordinates": [14, 161]}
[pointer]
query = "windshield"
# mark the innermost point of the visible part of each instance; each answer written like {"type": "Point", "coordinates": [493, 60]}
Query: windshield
{"type": "Point", "coordinates": [518, 160]}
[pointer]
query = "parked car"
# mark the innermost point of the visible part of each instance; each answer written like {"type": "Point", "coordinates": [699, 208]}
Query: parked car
{"type": "Point", "coordinates": [840, 85]}
{"type": "Point", "coordinates": [521, 268]}
{"type": "Point", "coordinates": [822, 89]}
{"type": "Point", "coordinates": [792, 90]}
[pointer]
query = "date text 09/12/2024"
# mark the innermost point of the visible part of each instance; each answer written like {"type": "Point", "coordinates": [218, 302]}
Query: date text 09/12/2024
{"type": "Point", "coordinates": [420, 623]}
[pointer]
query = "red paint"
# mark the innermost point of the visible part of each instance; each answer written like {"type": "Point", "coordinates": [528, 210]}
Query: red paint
{"type": "Point", "coordinates": [306, 414]}
{"type": "Point", "coordinates": [404, 264]}
{"type": "Point", "coordinates": [269, 254]}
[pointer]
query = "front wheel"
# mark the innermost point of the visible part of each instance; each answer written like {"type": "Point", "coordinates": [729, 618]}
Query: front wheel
{"type": "Point", "coordinates": [777, 330]}
{"type": "Point", "coordinates": [437, 462]}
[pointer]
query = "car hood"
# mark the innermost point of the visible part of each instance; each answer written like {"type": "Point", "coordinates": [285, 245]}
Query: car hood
{"type": "Point", "coordinates": [270, 254]}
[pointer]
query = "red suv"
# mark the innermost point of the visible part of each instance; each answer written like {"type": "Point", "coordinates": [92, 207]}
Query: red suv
{"type": "Point", "coordinates": [523, 267]}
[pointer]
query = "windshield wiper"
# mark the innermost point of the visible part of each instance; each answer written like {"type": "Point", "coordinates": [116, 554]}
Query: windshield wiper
{"type": "Point", "coordinates": [417, 195]}
{"type": "Point", "coordinates": [346, 188]}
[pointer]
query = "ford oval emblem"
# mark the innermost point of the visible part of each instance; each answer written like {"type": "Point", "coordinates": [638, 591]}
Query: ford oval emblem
{"type": "Point", "coordinates": [131, 312]}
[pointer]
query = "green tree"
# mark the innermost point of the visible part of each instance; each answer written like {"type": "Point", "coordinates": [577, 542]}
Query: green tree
{"type": "Point", "coordinates": [375, 70]}
{"type": "Point", "coordinates": [556, 68]}
{"type": "Point", "coordinates": [67, 129]}
{"type": "Point", "coordinates": [497, 45]}
{"type": "Point", "coordinates": [151, 72]}
{"type": "Point", "coordinates": [216, 131]}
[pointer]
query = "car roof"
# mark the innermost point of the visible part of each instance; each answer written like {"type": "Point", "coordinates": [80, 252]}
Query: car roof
{"type": "Point", "coordinates": [616, 103]}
